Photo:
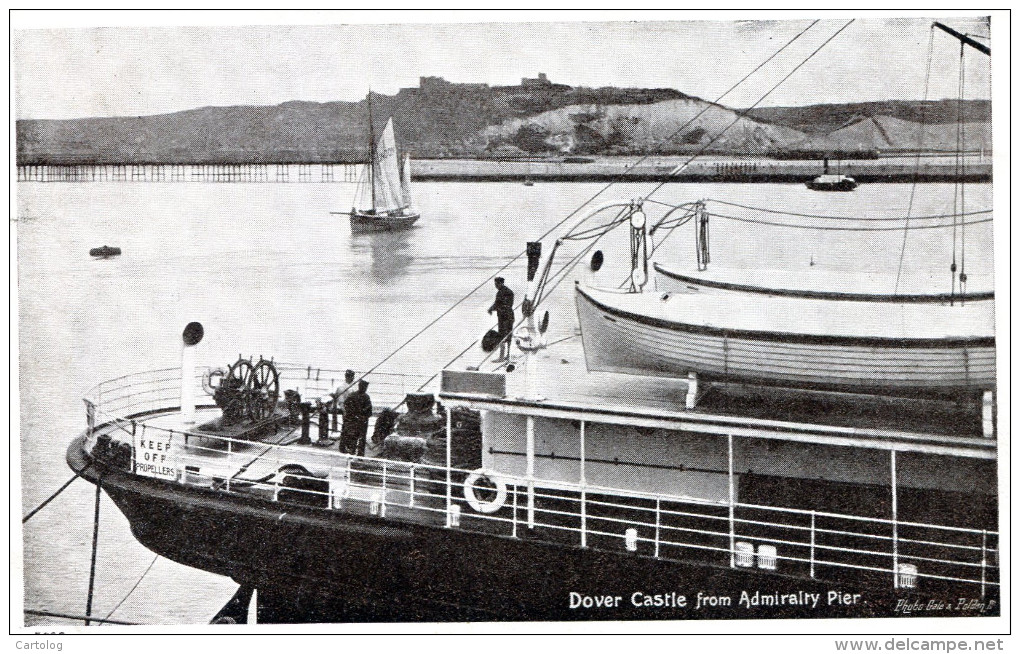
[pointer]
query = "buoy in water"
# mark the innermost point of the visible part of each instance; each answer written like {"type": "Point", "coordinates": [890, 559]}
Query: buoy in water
{"type": "Point", "coordinates": [104, 251]}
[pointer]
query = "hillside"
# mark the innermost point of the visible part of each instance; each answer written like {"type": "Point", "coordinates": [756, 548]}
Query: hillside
{"type": "Point", "coordinates": [436, 119]}
{"type": "Point", "coordinates": [667, 127]}
{"type": "Point", "coordinates": [441, 119]}
{"type": "Point", "coordinates": [889, 133]}
{"type": "Point", "coordinates": [825, 118]}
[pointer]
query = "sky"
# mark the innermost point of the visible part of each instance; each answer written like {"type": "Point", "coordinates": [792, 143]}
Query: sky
{"type": "Point", "coordinates": [123, 63]}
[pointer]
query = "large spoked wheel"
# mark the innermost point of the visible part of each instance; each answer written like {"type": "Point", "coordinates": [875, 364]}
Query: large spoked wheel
{"type": "Point", "coordinates": [230, 394]}
{"type": "Point", "coordinates": [264, 391]}
{"type": "Point", "coordinates": [240, 373]}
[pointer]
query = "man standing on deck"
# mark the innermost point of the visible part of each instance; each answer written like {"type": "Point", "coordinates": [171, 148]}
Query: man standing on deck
{"type": "Point", "coordinates": [504, 308]}
{"type": "Point", "coordinates": [357, 411]}
{"type": "Point", "coordinates": [340, 395]}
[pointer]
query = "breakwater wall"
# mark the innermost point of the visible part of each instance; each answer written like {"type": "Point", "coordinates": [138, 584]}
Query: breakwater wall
{"type": "Point", "coordinates": [937, 168]}
{"type": "Point", "coordinates": [978, 168]}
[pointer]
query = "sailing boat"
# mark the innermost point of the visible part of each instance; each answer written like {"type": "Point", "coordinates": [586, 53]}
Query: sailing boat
{"type": "Point", "coordinates": [389, 184]}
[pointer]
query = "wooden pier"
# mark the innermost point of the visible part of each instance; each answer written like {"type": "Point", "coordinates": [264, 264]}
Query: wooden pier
{"type": "Point", "coordinates": [899, 168]}
{"type": "Point", "coordinates": [205, 173]}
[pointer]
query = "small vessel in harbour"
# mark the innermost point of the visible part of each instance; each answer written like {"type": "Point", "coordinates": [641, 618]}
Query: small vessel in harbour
{"type": "Point", "coordinates": [104, 252]}
{"type": "Point", "coordinates": [832, 182]}
{"type": "Point", "coordinates": [388, 186]}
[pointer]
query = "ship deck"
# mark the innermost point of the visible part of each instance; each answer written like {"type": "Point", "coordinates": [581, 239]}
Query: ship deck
{"type": "Point", "coordinates": [564, 382]}
{"type": "Point", "coordinates": [135, 427]}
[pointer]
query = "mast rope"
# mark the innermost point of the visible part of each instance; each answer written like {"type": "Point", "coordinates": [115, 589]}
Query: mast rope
{"type": "Point", "coordinates": [842, 229]}
{"type": "Point", "coordinates": [52, 497]}
{"type": "Point", "coordinates": [917, 157]}
{"type": "Point", "coordinates": [962, 130]}
{"type": "Point", "coordinates": [619, 179]}
{"type": "Point", "coordinates": [123, 599]}
{"type": "Point", "coordinates": [743, 113]}
{"type": "Point", "coordinates": [848, 218]}
{"type": "Point", "coordinates": [739, 115]}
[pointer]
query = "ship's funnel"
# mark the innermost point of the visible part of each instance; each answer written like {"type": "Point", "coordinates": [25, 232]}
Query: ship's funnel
{"type": "Point", "coordinates": [191, 337]}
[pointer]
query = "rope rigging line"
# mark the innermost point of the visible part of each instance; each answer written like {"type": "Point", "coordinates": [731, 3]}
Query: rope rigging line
{"type": "Point", "coordinates": [52, 497]}
{"type": "Point", "coordinates": [842, 229]}
{"type": "Point", "coordinates": [848, 218]}
{"type": "Point", "coordinates": [957, 170]}
{"type": "Point", "coordinates": [598, 230]}
{"type": "Point", "coordinates": [917, 157]}
{"type": "Point", "coordinates": [961, 126]}
{"type": "Point", "coordinates": [72, 616]}
{"type": "Point", "coordinates": [738, 117]}
{"type": "Point", "coordinates": [95, 548]}
{"type": "Point", "coordinates": [123, 599]}
{"type": "Point", "coordinates": [621, 178]}
{"type": "Point", "coordinates": [743, 113]}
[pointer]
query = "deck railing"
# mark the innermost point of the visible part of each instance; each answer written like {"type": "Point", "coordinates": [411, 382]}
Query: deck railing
{"type": "Point", "coordinates": [159, 390]}
{"type": "Point", "coordinates": [814, 544]}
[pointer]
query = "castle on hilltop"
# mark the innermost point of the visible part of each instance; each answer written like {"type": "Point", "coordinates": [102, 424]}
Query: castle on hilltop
{"type": "Point", "coordinates": [428, 84]}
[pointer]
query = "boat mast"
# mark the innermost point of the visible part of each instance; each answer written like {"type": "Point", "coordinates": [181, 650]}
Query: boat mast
{"type": "Point", "coordinates": [980, 47]}
{"type": "Point", "coordinates": [371, 149]}
{"type": "Point", "coordinates": [961, 158]}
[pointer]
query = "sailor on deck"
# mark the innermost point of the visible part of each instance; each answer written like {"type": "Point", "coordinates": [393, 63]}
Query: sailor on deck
{"type": "Point", "coordinates": [340, 395]}
{"type": "Point", "coordinates": [357, 411]}
{"type": "Point", "coordinates": [504, 308]}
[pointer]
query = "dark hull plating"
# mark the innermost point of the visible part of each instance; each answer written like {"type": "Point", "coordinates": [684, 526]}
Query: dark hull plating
{"type": "Point", "coordinates": [317, 565]}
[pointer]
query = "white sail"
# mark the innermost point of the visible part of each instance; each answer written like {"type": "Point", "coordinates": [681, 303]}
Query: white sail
{"type": "Point", "coordinates": [386, 173]}
{"type": "Point", "coordinates": [405, 180]}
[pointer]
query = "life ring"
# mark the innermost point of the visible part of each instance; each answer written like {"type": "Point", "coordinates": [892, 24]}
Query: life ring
{"type": "Point", "coordinates": [469, 492]}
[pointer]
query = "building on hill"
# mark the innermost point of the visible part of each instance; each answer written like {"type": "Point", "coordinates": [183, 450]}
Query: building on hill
{"type": "Point", "coordinates": [536, 82]}
{"type": "Point", "coordinates": [429, 84]}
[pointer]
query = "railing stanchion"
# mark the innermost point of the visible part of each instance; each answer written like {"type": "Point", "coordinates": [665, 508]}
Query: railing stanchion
{"type": "Point", "coordinates": [382, 511]}
{"type": "Point", "coordinates": [514, 523]}
{"type": "Point", "coordinates": [584, 517]}
{"type": "Point", "coordinates": [895, 529]}
{"type": "Point", "coordinates": [812, 543]}
{"type": "Point", "coordinates": [411, 502]}
{"type": "Point", "coordinates": [134, 427]}
{"type": "Point", "coordinates": [230, 461]}
{"type": "Point", "coordinates": [984, 560]}
{"type": "Point", "coordinates": [658, 522]}
{"type": "Point", "coordinates": [530, 465]}
{"type": "Point", "coordinates": [449, 472]}
{"type": "Point", "coordinates": [733, 532]}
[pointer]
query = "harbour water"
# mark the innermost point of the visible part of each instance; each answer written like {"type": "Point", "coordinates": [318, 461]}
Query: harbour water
{"type": "Point", "coordinates": [269, 271]}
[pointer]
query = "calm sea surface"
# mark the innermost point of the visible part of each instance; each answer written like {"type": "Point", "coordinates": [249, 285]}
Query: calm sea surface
{"type": "Point", "coordinates": [269, 271]}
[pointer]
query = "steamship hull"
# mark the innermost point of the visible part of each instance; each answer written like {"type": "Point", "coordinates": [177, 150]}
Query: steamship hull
{"type": "Point", "coordinates": [317, 565]}
{"type": "Point", "coordinates": [639, 334]}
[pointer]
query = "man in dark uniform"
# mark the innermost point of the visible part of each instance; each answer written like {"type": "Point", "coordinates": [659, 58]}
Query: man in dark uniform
{"type": "Point", "coordinates": [339, 395]}
{"type": "Point", "coordinates": [357, 411]}
{"type": "Point", "coordinates": [504, 308]}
